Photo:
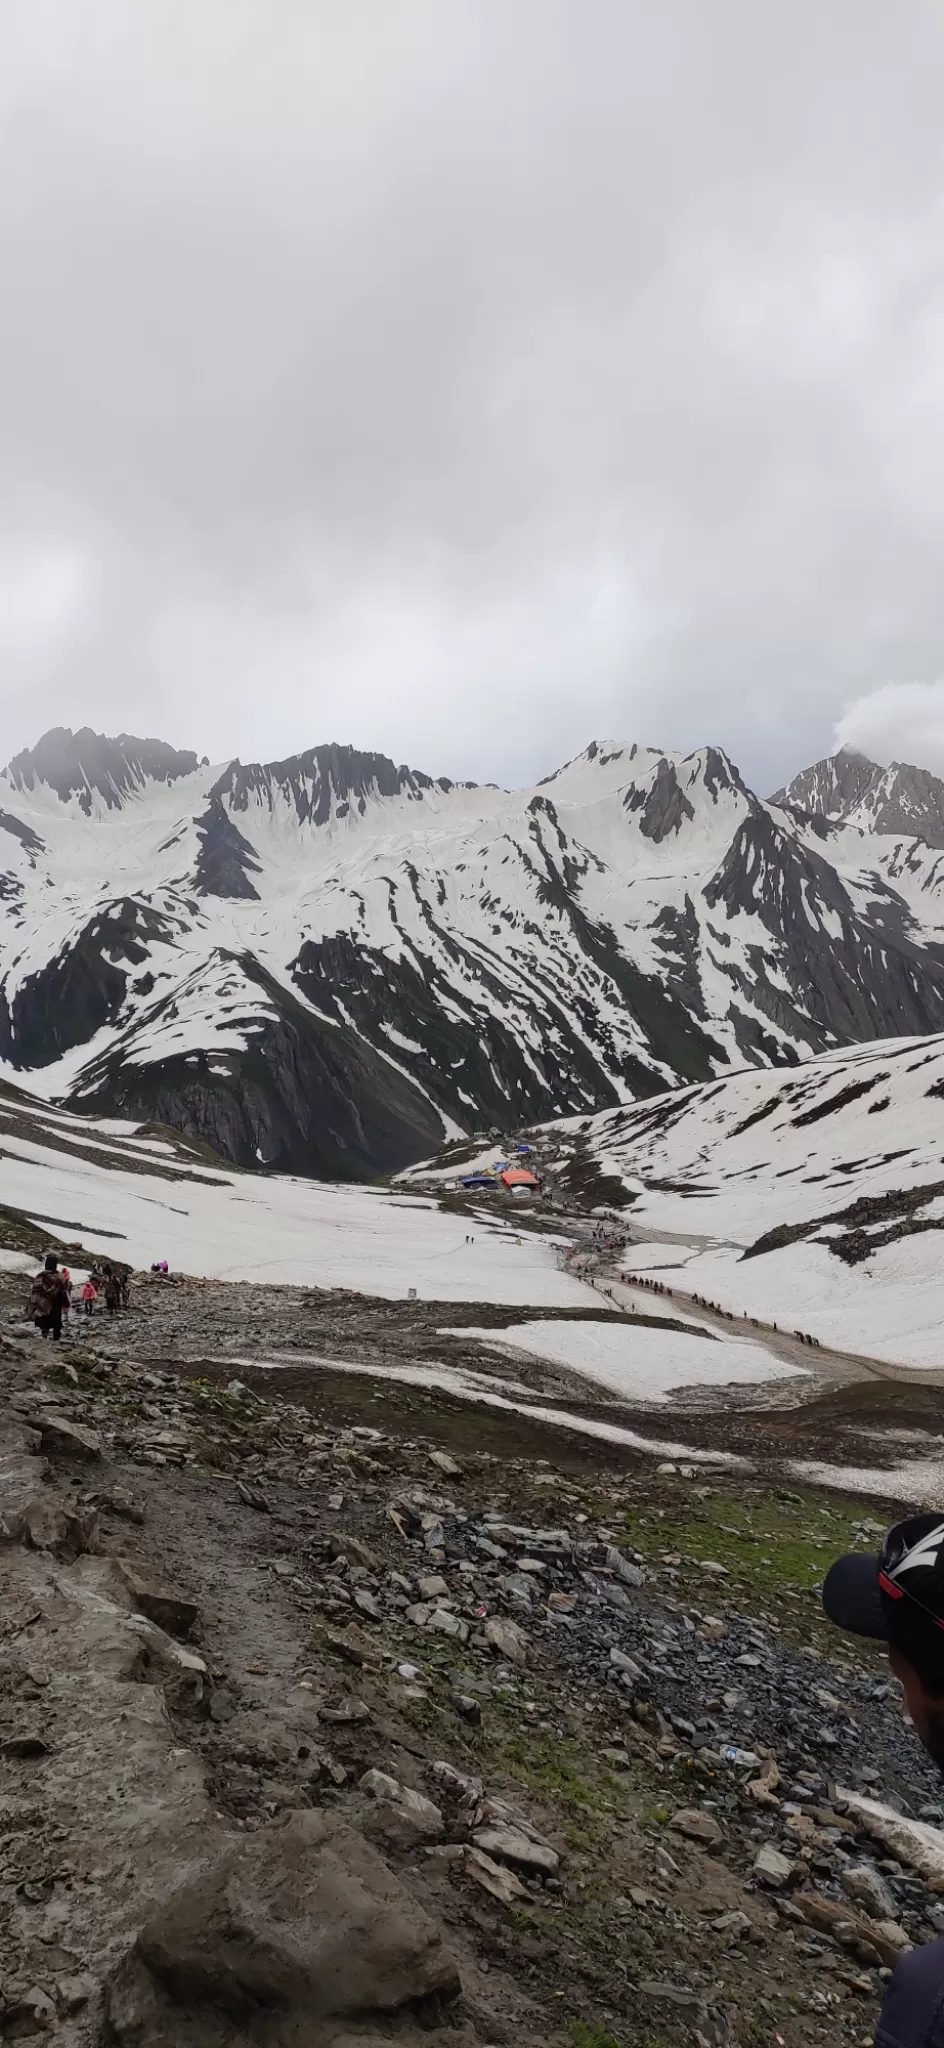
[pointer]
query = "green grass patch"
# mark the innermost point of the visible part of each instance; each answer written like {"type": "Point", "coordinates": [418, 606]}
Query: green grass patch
{"type": "Point", "coordinates": [586, 2034]}
{"type": "Point", "coordinates": [767, 1539]}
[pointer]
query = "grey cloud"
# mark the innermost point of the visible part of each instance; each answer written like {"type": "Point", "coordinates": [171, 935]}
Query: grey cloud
{"type": "Point", "coordinates": [467, 382]}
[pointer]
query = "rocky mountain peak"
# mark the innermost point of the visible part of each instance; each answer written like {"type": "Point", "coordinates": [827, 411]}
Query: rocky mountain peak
{"type": "Point", "coordinates": [323, 782]}
{"type": "Point", "coordinates": [832, 787]}
{"type": "Point", "coordinates": [89, 765]}
{"type": "Point", "coordinates": [849, 788]}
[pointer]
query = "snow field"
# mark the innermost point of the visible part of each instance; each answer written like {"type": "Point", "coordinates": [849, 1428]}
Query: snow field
{"type": "Point", "coordinates": [635, 1361]}
{"type": "Point", "coordinates": [302, 1233]}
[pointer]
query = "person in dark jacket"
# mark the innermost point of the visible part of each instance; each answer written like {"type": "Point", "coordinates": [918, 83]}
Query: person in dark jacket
{"type": "Point", "coordinates": [48, 1297]}
{"type": "Point", "coordinates": [897, 1598]}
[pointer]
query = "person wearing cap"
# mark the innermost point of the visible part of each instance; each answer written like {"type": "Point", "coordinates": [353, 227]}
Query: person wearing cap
{"type": "Point", "coordinates": [897, 1598]}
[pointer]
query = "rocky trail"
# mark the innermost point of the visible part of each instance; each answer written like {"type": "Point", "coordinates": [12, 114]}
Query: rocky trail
{"type": "Point", "coordinates": [344, 1715]}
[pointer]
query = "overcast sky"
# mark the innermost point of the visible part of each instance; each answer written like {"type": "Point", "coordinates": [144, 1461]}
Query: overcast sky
{"type": "Point", "coordinates": [471, 378]}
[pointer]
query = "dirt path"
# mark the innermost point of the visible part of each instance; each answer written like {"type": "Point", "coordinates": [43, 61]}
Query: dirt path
{"type": "Point", "coordinates": [360, 1588]}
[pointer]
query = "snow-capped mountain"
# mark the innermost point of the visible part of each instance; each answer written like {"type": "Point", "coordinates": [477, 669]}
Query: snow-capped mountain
{"type": "Point", "coordinates": [849, 788]}
{"type": "Point", "coordinates": [329, 963]}
{"type": "Point", "coordinates": [813, 1199]}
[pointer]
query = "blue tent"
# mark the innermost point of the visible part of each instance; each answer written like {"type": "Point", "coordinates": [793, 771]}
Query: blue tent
{"type": "Point", "coordinates": [478, 1180]}
{"type": "Point", "coordinates": [498, 1165]}
{"type": "Point", "coordinates": [524, 1148]}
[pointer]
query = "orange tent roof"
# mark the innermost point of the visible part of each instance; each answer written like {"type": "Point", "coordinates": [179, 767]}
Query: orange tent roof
{"type": "Point", "coordinates": [518, 1176]}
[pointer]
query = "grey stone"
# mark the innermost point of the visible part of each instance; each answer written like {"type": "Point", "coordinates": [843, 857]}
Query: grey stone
{"type": "Point", "coordinates": [772, 1869]}
{"type": "Point", "coordinates": [398, 1815]}
{"type": "Point", "coordinates": [867, 1887]}
{"type": "Point", "coordinates": [172, 1611]}
{"type": "Point", "coordinates": [627, 1665]}
{"type": "Point", "coordinates": [511, 1845]}
{"type": "Point", "coordinates": [303, 1916]}
{"type": "Point", "coordinates": [65, 1439]}
{"type": "Point", "coordinates": [444, 1463]}
{"type": "Point", "coordinates": [507, 1640]}
{"type": "Point", "coordinates": [432, 1588]}
{"type": "Point", "coordinates": [696, 1825]}
{"type": "Point", "coordinates": [500, 1882]}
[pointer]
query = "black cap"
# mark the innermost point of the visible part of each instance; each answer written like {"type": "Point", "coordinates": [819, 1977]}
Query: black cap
{"type": "Point", "coordinates": [898, 1596]}
{"type": "Point", "coordinates": [852, 1596]}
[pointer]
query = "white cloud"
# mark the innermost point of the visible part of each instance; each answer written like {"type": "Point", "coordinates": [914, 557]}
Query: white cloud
{"type": "Point", "coordinates": [897, 722]}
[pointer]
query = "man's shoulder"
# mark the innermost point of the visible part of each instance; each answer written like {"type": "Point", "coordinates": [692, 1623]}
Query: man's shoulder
{"type": "Point", "coordinates": [913, 2013]}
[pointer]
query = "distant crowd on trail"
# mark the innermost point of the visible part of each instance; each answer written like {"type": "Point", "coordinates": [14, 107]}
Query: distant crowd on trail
{"type": "Point", "coordinates": [714, 1308]}
{"type": "Point", "coordinates": [606, 1240]}
{"type": "Point", "coordinates": [53, 1295]}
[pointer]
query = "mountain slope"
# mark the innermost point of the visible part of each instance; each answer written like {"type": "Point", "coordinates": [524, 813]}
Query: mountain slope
{"type": "Point", "coordinates": [814, 1198]}
{"type": "Point", "coordinates": [135, 1193]}
{"type": "Point", "coordinates": [330, 963]}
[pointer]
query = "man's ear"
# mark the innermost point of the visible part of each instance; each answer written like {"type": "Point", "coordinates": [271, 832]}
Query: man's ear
{"type": "Point", "coordinates": [917, 1700]}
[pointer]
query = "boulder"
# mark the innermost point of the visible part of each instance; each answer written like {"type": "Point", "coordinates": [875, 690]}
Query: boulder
{"type": "Point", "coordinates": [696, 1825]}
{"type": "Point", "coordinates": [507, 1640]}
{"type": "Point", "coordinates": [502, 1884]}
{"type": "Point", "coordinates": [772, 1869]}
{"type": "Point", "coordinates": [510, 1844]}
{"type": "Point", "coordinates": [62, 1438]}
{"type": "Point", "coordinates": [398, 1815]}
{"type": "Point", "coordinates": [868, 1888]}
{"type": "Point", "coordinates": [47, 1523]}
{"type": "Point", "coordinates": [21, 1472]}
{"type": "Point", "coordinates": [303, 1918]}
{"type": "Point", "coordinates": [914, 1842]}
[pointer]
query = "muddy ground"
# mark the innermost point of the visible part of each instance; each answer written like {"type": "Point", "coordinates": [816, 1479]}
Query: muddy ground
{"type": "Point", "coordinates": [577, 1633]}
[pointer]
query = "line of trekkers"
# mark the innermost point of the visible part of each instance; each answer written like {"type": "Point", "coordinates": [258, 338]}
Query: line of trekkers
{"type": "Point", "coordinates": [52, 1294]}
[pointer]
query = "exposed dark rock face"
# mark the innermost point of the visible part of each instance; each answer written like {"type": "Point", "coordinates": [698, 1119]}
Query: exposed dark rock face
{"type": "Point", "coordinates": [322, 780]}
{"type": "Point", "coordinates": [86, 762]}
{"type": "Point", "coordinates": [849, 979]}
{"type": "Point", "coordinates": [226, 860]}
{"type": "Point", "coordinates": [462, 1065]}
{"type": "Point", "coordinates": [24, 833]}
{"type": "Point", "coordinates": [896, 799]}
{"type": "Point", "coordinates": [833, 786]}
{"type": "Point", "coordinates": [720, 774]}
{"type": "Point", "coordinates": [306, 1097]}
{"type": "Point", "coordinates": [81, 988]}
{"type": "Point", "coordinates": [663, 806]}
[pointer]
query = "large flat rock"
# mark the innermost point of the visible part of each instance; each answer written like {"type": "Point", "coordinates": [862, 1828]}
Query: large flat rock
{"type": "Point", "coordinates": [302, 1917]}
